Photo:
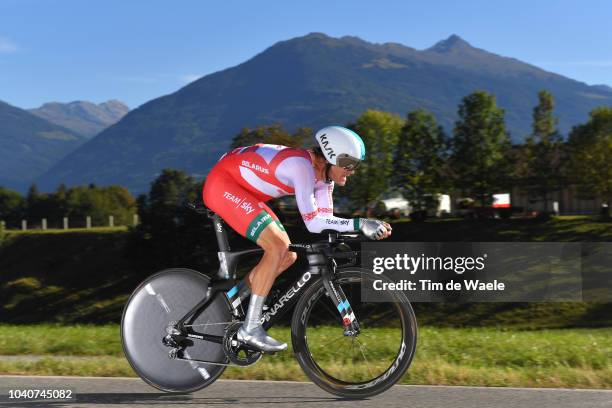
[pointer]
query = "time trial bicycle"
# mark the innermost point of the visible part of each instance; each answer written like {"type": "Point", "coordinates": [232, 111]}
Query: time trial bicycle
{"type": "Point", "coordinates": [178, 328]}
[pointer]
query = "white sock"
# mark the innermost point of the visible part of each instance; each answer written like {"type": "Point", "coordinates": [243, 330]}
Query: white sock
{"type": "Point", "coordinates": [253, 317]}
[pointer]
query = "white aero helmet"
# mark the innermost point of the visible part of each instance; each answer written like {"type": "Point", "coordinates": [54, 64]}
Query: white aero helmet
{"type": "Point", "coordinates": [341, 146]}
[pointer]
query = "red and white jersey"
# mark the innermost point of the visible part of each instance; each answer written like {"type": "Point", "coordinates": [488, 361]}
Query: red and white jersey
{"type": "Point", "coordinates": [271, 171]}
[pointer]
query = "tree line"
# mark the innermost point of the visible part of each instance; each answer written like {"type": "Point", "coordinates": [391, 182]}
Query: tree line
{"type": "Point", "coordinates": [76, 203]}
{"type": "Point", "coordinates": [417, 157]}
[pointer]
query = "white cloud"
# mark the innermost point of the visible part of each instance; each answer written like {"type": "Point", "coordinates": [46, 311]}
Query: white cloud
{"type": "Point", "coordinates": [190, 77]}
{"type": "Point", "coordinates": [7, 46]}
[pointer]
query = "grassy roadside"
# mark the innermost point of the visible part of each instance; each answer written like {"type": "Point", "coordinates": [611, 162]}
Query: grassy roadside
{"type": "Point", "coordinates": [578, 358]}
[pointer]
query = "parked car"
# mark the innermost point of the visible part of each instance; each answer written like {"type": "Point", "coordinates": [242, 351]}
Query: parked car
{"type": "Point", "coordinates": [394, 205]}
{"type": "Point", "coordinates": [436, 206]}
{"type": "Point", "coordinates": [499, 208]}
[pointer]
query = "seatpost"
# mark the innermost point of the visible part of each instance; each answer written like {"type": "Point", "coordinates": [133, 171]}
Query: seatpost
{"type": "Point", "coordinates": [220, 233]}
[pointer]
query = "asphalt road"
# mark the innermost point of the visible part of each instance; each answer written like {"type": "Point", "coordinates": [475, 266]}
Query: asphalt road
{"type": "Point", "coordinates": [130, 392]}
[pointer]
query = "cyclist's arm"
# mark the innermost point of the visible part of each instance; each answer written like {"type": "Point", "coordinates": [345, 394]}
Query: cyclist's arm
{"type": "Point", "coordinates": [315, 219]}
{"type": "Point", "coordinates": [323, 197]}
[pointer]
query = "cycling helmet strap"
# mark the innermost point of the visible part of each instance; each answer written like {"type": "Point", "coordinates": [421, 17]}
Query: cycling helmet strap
{"type": "Point", "coordinates": [327, 168]}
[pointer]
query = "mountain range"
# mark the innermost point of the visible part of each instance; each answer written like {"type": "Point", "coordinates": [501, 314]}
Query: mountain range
{"type": "Point", "coordinates": [314, 80]}
{"type": "Point", "coordinates": [85, 118]}
{"type": "Point", "coordinates": [30, 145]}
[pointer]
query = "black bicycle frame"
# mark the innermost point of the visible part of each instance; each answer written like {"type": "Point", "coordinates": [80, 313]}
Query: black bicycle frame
{"type": "Point", "coordinates": [318, 264]}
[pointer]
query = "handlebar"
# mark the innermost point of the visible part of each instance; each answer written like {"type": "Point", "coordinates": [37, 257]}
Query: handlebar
{"type": "Point", "coordinates": [334, 240]}
{"type": "Point", "coordinates": [335, 237]}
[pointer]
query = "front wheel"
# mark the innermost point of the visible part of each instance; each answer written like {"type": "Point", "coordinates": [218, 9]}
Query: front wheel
{"type": "Point", "coordinates": [356, 366]}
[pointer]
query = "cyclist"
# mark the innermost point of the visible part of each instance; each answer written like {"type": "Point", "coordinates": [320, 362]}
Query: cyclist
{"type": "Point", "coordinates": [245, 178]}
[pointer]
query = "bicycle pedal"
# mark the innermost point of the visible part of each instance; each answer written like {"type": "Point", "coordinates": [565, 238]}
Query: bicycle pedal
{"type": "Point", "coordinates": [173, 353]}
{"type": "Point", "coordinates": [236, 343]}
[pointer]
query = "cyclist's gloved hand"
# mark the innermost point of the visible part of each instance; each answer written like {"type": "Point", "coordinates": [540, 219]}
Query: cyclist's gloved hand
{"type": "Point", "coordinates": [374, 229]}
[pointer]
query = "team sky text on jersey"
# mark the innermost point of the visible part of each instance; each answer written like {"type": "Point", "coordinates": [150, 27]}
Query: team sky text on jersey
{"type": "Point", "coordinates": [246, 206]}
{"type": "Point", "coordinates": [337, 221]}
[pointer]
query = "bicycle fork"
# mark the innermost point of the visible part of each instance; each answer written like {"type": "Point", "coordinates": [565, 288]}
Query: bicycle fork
{"type": "Point", "coordinates": [336, 294]}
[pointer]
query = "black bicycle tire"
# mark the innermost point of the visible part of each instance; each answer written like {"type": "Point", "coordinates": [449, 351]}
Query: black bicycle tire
{"type": "Point", "coordinates": [320, 378]}
{"type": "Point", "coordinates": [149, 279]}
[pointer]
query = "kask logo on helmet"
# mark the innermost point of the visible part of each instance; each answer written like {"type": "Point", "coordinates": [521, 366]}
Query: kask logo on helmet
{"type": "Point", "coordinates": [325, 145]}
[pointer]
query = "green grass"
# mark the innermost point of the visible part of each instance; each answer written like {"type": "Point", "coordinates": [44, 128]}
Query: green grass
{"type": "Point", "coordinates": [53, 339]}
{"type": "Point", "coordinates": [531, 316]}
{"type": "Point", "coordinates": [479, 356]}
{"type": "Point", "coordinates": [100, 366]}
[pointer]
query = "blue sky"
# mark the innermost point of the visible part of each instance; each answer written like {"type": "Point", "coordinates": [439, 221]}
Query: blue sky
{"type": "Point", "coordinates": [134, 51]}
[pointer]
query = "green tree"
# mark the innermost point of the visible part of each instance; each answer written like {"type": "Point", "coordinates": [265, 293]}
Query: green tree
{"type": "Point", "coordinates": [33, 199]}
{"type": "Point", "coordinates": [380, 133]}
{"type": "Point", "coordinates": [303, 137]}
{"type": "Point", "coordinates": [479, 148]}
{"type": "Point", "coordinates": [590, 155]}
{"type": "Point", "coordinates": [168, 192]}
{"type": "Point", "coordinates": [97, 203]}
{"type": "Point", "coordinates": [12, 206]}
{"type": "Point", "coordinates": [542, 153]}
{"type": "Point", "coordinates": [38, 205]}
{"type": "Point", "coordinates": [273, 134]}
{"type": "Point", "coordinates": [61, 192]}
{"type": "Point", "coordinates": [419, 159]}
{"type": "Point", "coordinates": [56, 206]}
{"type": "Point", "coordinates": [169, 234]}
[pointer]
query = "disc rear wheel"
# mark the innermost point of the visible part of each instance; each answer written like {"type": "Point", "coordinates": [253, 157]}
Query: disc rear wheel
{"type": "Point", "coordinates": [159, 301]}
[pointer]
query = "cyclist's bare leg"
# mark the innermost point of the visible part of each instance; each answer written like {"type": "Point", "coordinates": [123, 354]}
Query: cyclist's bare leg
{"type": "Point", "coordinates": [275, 260]}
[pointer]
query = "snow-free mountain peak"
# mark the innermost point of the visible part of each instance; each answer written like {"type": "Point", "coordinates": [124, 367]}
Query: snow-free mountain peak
{"type": "Point", "coordinates": [83, 117]}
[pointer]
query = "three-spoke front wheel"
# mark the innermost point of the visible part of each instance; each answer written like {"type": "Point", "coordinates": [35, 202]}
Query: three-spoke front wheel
{"type": "Point", "coordinates": [354, 366]}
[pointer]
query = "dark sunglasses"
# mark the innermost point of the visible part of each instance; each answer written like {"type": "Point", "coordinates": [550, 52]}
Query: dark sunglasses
{"type": "Point", "coordinates": [347, 162]}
